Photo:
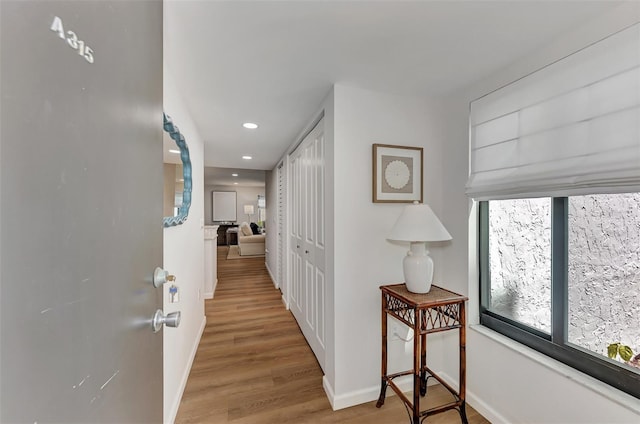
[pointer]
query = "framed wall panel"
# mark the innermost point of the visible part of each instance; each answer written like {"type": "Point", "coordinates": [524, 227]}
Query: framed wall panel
{"type": "Point", "coordinates": [223, 206]}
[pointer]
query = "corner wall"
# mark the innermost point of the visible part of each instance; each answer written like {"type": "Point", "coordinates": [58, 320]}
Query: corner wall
{"type": "Point", "coordinates": [364, 259]}
{"type": "Point", "coordinates": [506, 381]}
{"type": "Point", "coordinates": [184, 258]}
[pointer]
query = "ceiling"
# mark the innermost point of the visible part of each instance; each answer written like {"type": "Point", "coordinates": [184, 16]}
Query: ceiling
{"type": "Point", "coordinates": [273, 62]}
{"type": "Point", "coordinates": [224, 177]}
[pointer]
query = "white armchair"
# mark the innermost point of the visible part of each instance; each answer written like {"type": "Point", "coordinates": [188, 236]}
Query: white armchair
{"type": "Point", "coordinates": [249, 243]}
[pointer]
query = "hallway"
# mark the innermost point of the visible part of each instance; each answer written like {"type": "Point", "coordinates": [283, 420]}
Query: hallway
{"type": "Point", "coordinates": [253, 366]}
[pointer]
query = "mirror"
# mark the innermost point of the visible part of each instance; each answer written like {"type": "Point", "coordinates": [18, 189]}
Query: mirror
{"type": "Point", "coordinates": [173, 187]}
{"type": "Point", "coordinates": [177, 179]}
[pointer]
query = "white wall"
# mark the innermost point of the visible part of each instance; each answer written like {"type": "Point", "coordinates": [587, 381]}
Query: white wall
{"type": "Point", "coordinates": [244, 196]}
{"type": "Point", "coordinates": [184, 258]}
{"type": "Point", "coordinates": [364, 259]}
{"type": "Point", "coordinates": [508, 382]}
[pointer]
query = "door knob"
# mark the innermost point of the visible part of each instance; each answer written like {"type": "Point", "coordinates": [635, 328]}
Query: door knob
{"type": "Point", "coordinates": [160, 277]}
{"type": "Point", "coordinates": [170, 320]}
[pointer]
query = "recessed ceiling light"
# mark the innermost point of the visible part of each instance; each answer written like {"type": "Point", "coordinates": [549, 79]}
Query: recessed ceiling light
{"type": "Point", "coordinates": [247, 157]}
{"type": "Point", "coordinates": [174, 151]}
{"type": "Point", "coordinates": [235, 183]}
{"type": "Point", "coordinates": [234, 175]}
{"type": "Point", "coordinates": [250, 125]}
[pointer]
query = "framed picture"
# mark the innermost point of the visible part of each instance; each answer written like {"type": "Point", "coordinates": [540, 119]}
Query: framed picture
{"type": "Point", "coordinates": [397, 174]}
{"type": "Point", "coordinates": [223, 206]}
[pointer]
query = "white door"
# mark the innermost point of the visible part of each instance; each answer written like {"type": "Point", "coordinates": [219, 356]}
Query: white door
{"type": "Point", "coordinates": [295, 219]}
{"type": "Point", "coordinates": [307, 239]}
{"type": "Point", "coordinates": [281, 231]}
{"type": "Point", "coordinates": [81, 218]}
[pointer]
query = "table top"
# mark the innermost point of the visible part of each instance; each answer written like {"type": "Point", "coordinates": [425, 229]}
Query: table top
{"type": "Point", "coordinates": [436, 296]}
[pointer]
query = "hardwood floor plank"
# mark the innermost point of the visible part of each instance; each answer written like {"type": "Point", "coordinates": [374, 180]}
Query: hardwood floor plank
{"type": "Point", "coordinates": [253, 365]}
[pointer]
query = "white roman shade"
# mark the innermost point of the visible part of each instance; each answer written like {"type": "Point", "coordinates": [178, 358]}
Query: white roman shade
{"type": "Point", "coordinates": [570, 128]}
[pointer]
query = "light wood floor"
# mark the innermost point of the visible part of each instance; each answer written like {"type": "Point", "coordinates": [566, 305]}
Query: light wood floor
{"type": "Point", "coordinates": [253, 365]}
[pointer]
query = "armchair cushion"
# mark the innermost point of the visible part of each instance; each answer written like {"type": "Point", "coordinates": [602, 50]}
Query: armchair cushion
{"type": "Point", "coordinates": [256, 238]}
{"type": "Point", "coordinates": [245, 229]}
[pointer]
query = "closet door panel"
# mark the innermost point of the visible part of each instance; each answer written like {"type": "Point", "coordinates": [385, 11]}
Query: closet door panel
{"type": "Point", "coordinates": [307, 239]}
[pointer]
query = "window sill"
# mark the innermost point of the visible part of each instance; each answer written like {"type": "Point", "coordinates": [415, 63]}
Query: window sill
{"type": "Point", "coordinates": [627, 401]}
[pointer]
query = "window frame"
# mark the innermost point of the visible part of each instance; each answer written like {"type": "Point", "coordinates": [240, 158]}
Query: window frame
{"type": "Point", "coordinates": [555, 345]}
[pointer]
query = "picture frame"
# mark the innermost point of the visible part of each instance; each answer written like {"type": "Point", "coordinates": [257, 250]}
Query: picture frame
{"type": "Point", "coordinates": [224, 206]}
{"type": "Point", "coordinates": [397, 173]}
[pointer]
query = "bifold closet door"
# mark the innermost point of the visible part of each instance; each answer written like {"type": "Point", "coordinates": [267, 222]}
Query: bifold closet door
{"type": "Point", "coordinates": [281, 231]}
{"type": "Point", "coordinates": [307, 239]}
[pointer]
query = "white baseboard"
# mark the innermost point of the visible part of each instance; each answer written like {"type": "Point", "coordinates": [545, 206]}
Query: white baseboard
{"type": "Point", "coordinates": [209, 295]}
{"type": "Point", "coordinates": [328, 391]}
{"type": "Point", "coordinates": [369, 394]}
{"type": "Point", "coordinates": [286, 304]}
{"type": "Point", "coordinates": [476, 402]}
{"type": "Point", "coordinates": [276, 283]}
{"type": "Point", "coordinates": [405, 384]}
{"type": "Point", "coordinates": [183, 382]}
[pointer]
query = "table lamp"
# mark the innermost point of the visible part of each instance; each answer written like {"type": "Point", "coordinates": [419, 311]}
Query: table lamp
{"type": "Point", "coordinates": [248, 210]}
{"type": "Point", "coordinates": [418, 224]}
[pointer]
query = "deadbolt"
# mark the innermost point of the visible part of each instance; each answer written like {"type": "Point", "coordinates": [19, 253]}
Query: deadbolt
{"type": "Point", "coordinates": [160, 277]}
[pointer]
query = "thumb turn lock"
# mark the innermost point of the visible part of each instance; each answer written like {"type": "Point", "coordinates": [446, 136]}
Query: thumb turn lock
{"type": "Point", "coordinates": [160, 277]}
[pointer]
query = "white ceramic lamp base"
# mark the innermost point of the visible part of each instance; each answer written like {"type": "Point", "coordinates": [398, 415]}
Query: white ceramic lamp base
{"type": "Point", "coordinates": [418, 268]}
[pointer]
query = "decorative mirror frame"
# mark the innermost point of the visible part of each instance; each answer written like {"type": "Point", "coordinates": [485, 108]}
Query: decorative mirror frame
{"type": "Point", "coordinates": [174, 133]}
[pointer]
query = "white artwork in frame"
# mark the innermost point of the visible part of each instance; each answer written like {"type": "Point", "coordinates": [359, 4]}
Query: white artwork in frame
{"type": "Point", "coordinates": [223, 206]}
{"type": "Point", "coordinates": [397, 174]}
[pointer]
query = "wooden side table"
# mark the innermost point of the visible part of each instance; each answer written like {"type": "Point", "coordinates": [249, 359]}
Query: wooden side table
{"type": "Point", "coordinates": [438, 310]}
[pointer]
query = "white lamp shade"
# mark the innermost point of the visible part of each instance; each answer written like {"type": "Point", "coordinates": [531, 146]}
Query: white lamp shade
{"type": "Point", "coordinates": [418, 223]}
{"type": "Point", "coordinates": [248, 209]}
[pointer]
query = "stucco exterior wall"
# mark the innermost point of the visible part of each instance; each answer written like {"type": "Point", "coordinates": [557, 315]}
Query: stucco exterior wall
{"type": "Point", "coordinates": [520, 260]}
{"type": "Point", "coordinates": [604, 271]}
{"type": "Point", "coordinates": [604, 266]}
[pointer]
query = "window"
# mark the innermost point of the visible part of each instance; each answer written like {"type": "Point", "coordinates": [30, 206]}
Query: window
{"type": "Point", "coordinates": [262, 210]}
{"type": "Point", "coordinates": [560, 264]}
{"type": "Point", "coordinates": [562, 275]}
